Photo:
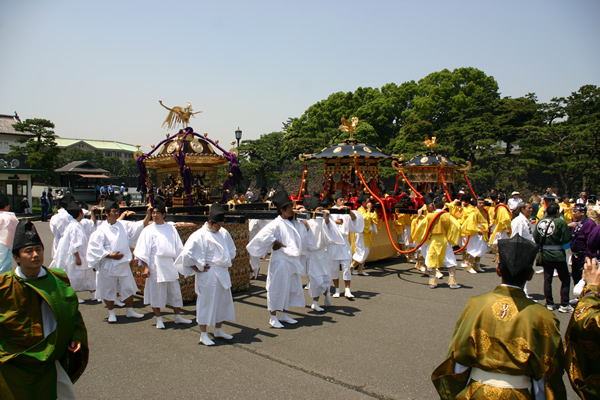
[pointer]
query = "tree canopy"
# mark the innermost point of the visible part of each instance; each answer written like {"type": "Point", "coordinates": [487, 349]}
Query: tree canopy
{"type": "Point", "coordinates": [40, 150]}
{"type": "Point", "coordinates": [512, 143]}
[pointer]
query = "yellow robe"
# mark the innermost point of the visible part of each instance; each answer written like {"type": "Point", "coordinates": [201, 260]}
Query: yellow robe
{"type": "Point", "coordinates": [456, 210]}
{"type": "Point", "coordinates": [466, 212]}
{"type": "Point", "coordinates": [502, 221]}
{"type": "Point", "coordinates": [445, 229]}
{"type": "Point", "coordinates": [503, 332]}
{"type": "Point", "coordinates": [567, 211]}
{"type": "Point", "coordinates": [370, 218]}
{"type": "Point", "coordinates": [581, 343]}
{"type": "Point", "coordinates": [492, 214]}
{"type": "Point", "coordinates": [475, 223]}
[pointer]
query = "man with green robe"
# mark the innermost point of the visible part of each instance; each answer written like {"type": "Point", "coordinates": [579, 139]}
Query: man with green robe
{"type": "Point", "coordinates": [582, 350]}
{"type": "Point", "coordinates": [505, 346]}
{"type": "Point", "coordinates": [43, 340]}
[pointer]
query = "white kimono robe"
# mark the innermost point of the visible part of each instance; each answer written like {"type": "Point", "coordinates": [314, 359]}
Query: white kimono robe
{"type": "Point", "coordinates": [361, 252]}
{"type": "Point", "coordinates": [213, 286]}
{"type": "Point", "coordinates": [254, 226]}
{"type": "Point", "coordinates": [341, 252]}
{"type": "Point", "coordinates": [89, 226]}
{"type": "Point", "coordinates": [58, 224]}
{"type": "Point", "coordinates": [521, 225]}
{"type": "Point", "coordinates": [157, 247]}
{"type": "Point", "coordinates": [8, 224]}
{"type": "Point", "coordinates": [284, 285]}
{"type": "Point", "coordinates": [318, 261]}
{"type": "Point", "coordinates": [74, 240]}
{"type": "Point", "coordinates": [113, 275]}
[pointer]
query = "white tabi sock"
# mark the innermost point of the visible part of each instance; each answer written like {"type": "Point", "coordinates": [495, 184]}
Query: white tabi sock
{"type": "Point", "coordinates": [274, 322]}
{"type": "Point", "coordinates": [132, 314]}
{"type": "Point", "coordinates": [315, 306]}
{"type": "Point", "coordinates": [159, 323]}
{"type": "Point", "coordinates": [220, 334]}
{"type": "Point", "coordinates": [112, 317]}
{"type": "Point", "coordinates": [180, 320]}
{"type": "Point", "coordinates": [205, 340]}
{"type": "Point", "coordinates": [287, 319]}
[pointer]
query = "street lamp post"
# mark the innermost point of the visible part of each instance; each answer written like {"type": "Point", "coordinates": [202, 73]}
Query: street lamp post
{"type": "Point", "coordinates": [238, 136]}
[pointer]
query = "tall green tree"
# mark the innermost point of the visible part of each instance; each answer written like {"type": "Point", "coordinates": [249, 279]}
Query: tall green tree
{"type": "Point", "coordinates": [76, 154]}
{"type": "Point", "coordinates": [262, 160]}
{"type": "Point", "coordinates": [565, 149]}
{"type": "Point", "coordinates": [41, 149]}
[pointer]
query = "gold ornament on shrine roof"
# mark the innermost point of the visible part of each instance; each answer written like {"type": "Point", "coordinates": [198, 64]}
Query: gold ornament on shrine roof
{"type": "Point", "coordinates": [430, 142]}
{"type": "Point", "coordinates": [178, 115]}
{"type": "Point", "coordinates": [349, 126]}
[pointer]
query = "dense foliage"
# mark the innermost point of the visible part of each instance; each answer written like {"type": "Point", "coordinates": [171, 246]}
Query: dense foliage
{"type": "Point", "coordinates": [40, 149]}
{"type": "Point", "coordinates": [512, 143]}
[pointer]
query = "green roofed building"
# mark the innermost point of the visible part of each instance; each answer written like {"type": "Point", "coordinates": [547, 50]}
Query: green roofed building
{"type": "Point", "coordinates": [108, 148]}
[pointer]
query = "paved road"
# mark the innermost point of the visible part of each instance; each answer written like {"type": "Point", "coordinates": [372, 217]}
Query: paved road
{"type": "Point", "coordinates": [384, 344]}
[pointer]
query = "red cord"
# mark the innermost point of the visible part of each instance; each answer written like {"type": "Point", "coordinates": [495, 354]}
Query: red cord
{"type": "Point", "coordinates": [302, 183]}
{"type": "Point", "coordinates": [445, 187]}
{"type": "Point", "coordinates": [406, 180]}
{"type": "Point", "coordinates": [469, 183]}
{"type": "Point", "coordinates": [435, 217]}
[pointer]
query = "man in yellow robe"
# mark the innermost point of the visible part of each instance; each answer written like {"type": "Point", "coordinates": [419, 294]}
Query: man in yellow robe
{"type": "Point", "coordinates": [467, 209]}
{"type": "Point", "coordinates": [505, 346]}
{"type": "Point", "coordinates": [567, 208]}
{"type": "Point", "coordinates": [444, 232]}
{"type": "Point", "coordinates": [502, 221]}
{"type": "Point", "coordinates": [546, 200]}
{"type": "Point", "coordinates": [583, 335]}
{"type": "Point", "coordinates": [402, 224]}
{"type": "Point", "coordinates": [417, 238]}
{"type": "Point", "coordinates": [476, 227]}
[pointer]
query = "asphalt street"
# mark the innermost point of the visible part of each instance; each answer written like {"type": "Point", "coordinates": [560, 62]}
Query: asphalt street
{"type": "Point", "coordinates": [383, 344]}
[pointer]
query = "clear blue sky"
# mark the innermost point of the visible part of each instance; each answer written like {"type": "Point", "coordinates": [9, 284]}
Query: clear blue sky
{"type": "Point", "coordinates": [98, 68]}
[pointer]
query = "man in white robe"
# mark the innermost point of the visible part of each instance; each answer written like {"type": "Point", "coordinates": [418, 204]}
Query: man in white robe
{"type": "Point", "coordinates": [318, 265]}
{"type": "Point", "coordinates": [109, 252]}
{"type": "Point", "coordinates": [340, 254]}
{"type": "Point", "coordinates": [89, 220]}
{"type": "Point", "coordinates": [208, 253]}
{"type": "Point", "coordinates": [59, 222]}
{"type": "Point", "coordinates": [520, 225]}
{"type": "Point", "coordinates": [254, 226]}
{"type": "Point", "coordinates": [284, 283]}
{"type": "Point", "coordinates": [156, 249]}
{"type": "Point", "coordinates": [71, 253]}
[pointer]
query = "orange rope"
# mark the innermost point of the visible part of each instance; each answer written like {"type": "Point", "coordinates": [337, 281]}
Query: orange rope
{"type": "Point", "coordinates": [469, 183]}
{"type": "Point", "coordinates": [397, 179]}
{"type": "Point", "coordinates": [405, 180]}
{"type": "Point", "coordinates": [302, 183]}
{"type": "Point", "coordinates": [387, 225]}
{"type": "Point", "coordinates": [445, 187]}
